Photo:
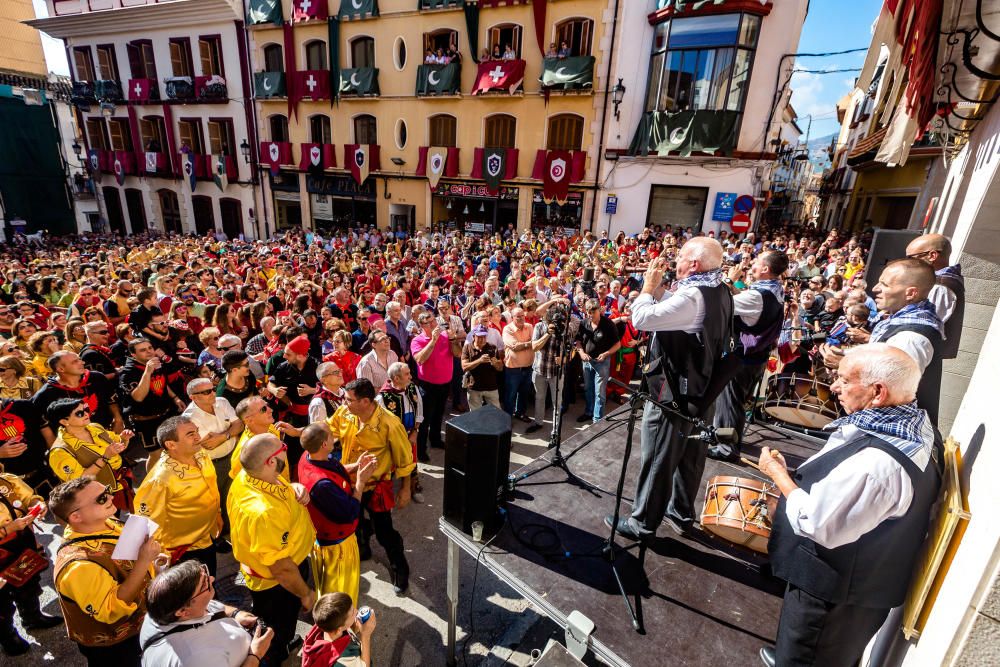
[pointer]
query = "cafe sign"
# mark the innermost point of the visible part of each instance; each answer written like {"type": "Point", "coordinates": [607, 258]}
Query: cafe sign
{"type": "Point", "coordinates": [474, 191]}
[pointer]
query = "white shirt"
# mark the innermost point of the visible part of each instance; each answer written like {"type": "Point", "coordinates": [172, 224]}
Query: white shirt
{"type": "Point", "coordinates": [221, 643]}
{"type": "Point", "coordinates": [944, 301]}
{"type": "Point", "coordinates": [684, 310]}
{"type": "Point", "coordinates": [317, 407]}
{"type": "Point", "coordinates": [859, 494]}
{"type": "Point", "coordinates": [207, 424]}
{"type": "Point", "coordinates": [370, 368]}
{"type": "Point", "coordinates": [748, 305]}
{"type": "Point", "coordinates": [914, 344]}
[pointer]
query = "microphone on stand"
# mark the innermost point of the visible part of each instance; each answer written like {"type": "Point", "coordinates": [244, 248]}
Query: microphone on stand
{"type": "Point", "coordinates": [713, 435]}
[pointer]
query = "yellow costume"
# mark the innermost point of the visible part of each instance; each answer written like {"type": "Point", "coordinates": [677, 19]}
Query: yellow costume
{"type": "Point", "coordinates": [183, 500]}
{"type": "Point", "coordinates": [382, 436]}
{"type": "Point", "coordinates": [234, 458]}
{"type": "Point", "coordinates": [65, 454]}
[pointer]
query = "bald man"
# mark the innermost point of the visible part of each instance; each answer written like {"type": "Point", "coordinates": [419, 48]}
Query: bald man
{"type": "Point", "coordinates": [851, 519]}
{"type": "Point", "coordinates": [692, 327]}
{"type": "Point", "coordinates": [912, 325]}
{"type": "Point", "coordinates": [948, 295]}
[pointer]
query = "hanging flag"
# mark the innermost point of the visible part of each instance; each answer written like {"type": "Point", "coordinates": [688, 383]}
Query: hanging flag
{"type": "Point", "coordinates": [437, 157]}
{"type": "Point", "coordinates": [151, 162]}
{"type": "Point", "coordinates": [359, 81]}
{"type": "Point", "coordinates": [264, 11]}
{"type": "Point", "coordinates": [438, 79]}
{"type": "Point", "coordinates": [93, 160]}
{"type": "Point", "coordinates": [472, 29]}
{"type": "Point", "coordinates": [219, 173]}
{"type": "Point", "coordinates": [333, 43]}
{"type": "Point", "coordinates": [555, 180]}
{"type": "Point", "coordinates": [312, 159]}
{"type": "Point", "coordinates": [290, 69]}
{"type": "Point", "coordinates": [494, 167]}
{"type": "Point", "coordinates": [119, 169]}
{"type": "Point", "coordinates": [314, 84]}
{"type": "Point", "coordinates": [269, 84]}
{"type": "Point", "coordinates": [499, 75]}
{"type": "Point", "coordinates": [270, 154]}
{"type": "Point", "coordinates": [187, 164]}
{"type": "Point", "coordinates": [308, 10]}
{"type": "Point", "coordinates": [568, 73]}
{"type": "Point", "coordinates": [138, 90]}
{"type": "Point", "coordinates": [358, 154]}
{"type": "Point", "coordinates": [357, 9]}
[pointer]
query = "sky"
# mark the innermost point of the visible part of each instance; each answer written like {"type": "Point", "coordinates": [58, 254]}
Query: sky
{"type": "Point", "coordinates": [55, 52]}
{"type": "Point", "coordinates": [830, 27]}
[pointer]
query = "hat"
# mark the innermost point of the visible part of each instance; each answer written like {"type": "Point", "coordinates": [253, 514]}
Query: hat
{"type": "Point", "coordinates": [480, 330]}
{"type": "Point", "coordinates": [180, 325]}
{"type": "Point", "coordinates": [299, 345]}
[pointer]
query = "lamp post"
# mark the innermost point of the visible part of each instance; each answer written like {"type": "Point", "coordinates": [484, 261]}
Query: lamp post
{"type": "Point", "coordinates": [617, 95]}
{"type": "Point", "coordinates": [245, 150]}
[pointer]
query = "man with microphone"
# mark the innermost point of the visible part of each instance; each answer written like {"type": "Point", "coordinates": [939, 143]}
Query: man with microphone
{"type": "Point", "coordinates": [692, 330]}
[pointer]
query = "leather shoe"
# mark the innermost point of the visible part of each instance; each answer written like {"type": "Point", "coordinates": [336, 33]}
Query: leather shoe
{"type": "Point", "coordinates": [584, 418]}
{"type": "Point", "coordinates": [767, 656]}
{"type": "Point", "coordinates": [12, 643]}
{"type": "Point", "coordinates": [41, 621]}
{"type": "Point", "coordinates": [624, 529]}
{"type": "Point", "coordinates": [400, 581]}
{"type": "Point", "coordinates": [534, 427]}
{"type": "Point", "coordinates": [680, 527]}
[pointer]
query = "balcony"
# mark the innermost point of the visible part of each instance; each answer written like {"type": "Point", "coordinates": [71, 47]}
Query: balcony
{"type": "Point", "coordinates": [576, 73]}
{"type": "Point", "coordinates": [359, 82]}
{"type": "Point", "coordinates": [267, 85]}
{"type": "Point", "coordinates": [501, 76]}
{"type": "Point", "coordinates": [83, 92]}
{"type": "Point", "coordinates": [313, 84]}
{"type": "Point", "coordinates": [439, 4]}
{"type": "Point", "coordinates": [684, 133]}
{"type": "Point", "coordinates": [179, 88]}
{"type": "Point", "coordinates": [108, 90]}
{"type": "Point", "coordinates": [211, 88]}
{"type": "Point", "coordinates": [439, 79]}
{"type": "Point", "coordinates": [208, 167]}
{"type": "Point", "coordinates": [156, 164]}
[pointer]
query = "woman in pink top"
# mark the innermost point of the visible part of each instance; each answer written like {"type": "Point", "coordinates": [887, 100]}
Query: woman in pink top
{"type": "Point", "coordinates": [432, 350]}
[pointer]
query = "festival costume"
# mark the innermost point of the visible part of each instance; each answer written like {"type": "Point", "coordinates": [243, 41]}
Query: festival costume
{"type": "Point", "coordinates": [70, 456]}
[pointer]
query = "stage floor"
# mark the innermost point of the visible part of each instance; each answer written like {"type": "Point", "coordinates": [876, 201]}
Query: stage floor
{"type": "Point", "coordinates": [702, 602]}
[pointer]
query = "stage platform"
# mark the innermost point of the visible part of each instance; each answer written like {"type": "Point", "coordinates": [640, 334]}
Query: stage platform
{"type": "Point", "coordinates": [701, 602]}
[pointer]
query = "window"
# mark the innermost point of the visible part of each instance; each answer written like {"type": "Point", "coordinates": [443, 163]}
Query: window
{"type": "Point", "coordinates": [365, 130]}
{"type": "Point", "coordinates": [445, 39]}
{"type": "Point", "coordinates": [315, 55]}
{"type": "Point", "coordinates": [140, 59]}
{"type": "Point", "coordinates": [319, 130]}
{"type": "Point", "coordinates": [180, 57]}
{"type": "Point", "coordinates": [363, 52]}
{"type": "Point", "coordinates": [273, 58]}
{"type": "Point", "coordinates": [279, 127]}
{"type": "Point", "coordinates": [702, 62]}
{"type": "Point", "coordinates": [499, 131]}
{"type": "Point", "coordinates": [222, 141]}
{"type": "Point", "coordinates": [97, 134]}
{"type": "Point", "coordinates": [189, 130]}
{"type": "Point", "coordinates": [443, 130]}
{"type": "Point", "coordinates": [153, 132]}
{"type": "Point", "coordinates": [502, 36]}
{"type": "Point", "coordinates": [120, 134]}
{"type": "Point", "coordinates": [565, 133]}
{"type": "Point", "coordinates": [210, 51]}
{"type": "Point", "coordinates": [576, 34]}
{"type": "Point", "coordinates": [401, 134]}
{"type": "Point", "coordinates": [84, 61]}
{"type": "Point", "coordinates": [107, 62]}
{"type": "Point", "coordinates": [399, 54]}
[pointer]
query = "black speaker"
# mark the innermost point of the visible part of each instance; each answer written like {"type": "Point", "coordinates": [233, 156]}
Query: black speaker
{"type": "Point", "coordinates": [887, 245]}
{"type": "Point", "coordinates": [476, 464]}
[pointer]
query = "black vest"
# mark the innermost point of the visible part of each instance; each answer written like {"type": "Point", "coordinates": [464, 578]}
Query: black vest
{"type": "Point", "coordinates": [754, 343]}
{"type": "Point", "coordinates": [875, 570]}
{"type": "Point", "coordinates": [681, 365]}
{"type": "Point", "coordinates": [953, 327]}
{"type": "Point", "coordinates": [929, 389]}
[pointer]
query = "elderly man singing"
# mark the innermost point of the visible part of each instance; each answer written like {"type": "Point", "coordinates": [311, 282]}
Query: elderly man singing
{"type": "Point", "coordinates": [852, 518]}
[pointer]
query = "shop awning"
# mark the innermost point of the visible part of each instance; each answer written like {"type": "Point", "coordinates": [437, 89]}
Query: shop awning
{"type": "Point", "coordinates": [568, 73]}
{"type": "Point", "coordinates": [686, 132]}
{"type": "Point", "coordinates": [439, 79]}
{"type": "Point", "coordinates": [269, 84]}
{"type": "Point", "coordinates": [359, 81]}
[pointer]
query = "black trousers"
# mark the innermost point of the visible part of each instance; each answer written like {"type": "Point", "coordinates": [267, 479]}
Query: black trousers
{"type": "Point", "coordinates": [731, 407]}
{"type": "Point", "coordinates": [278, 609]}
{"type": "Point", "coordinates": [434, 396]}
{"type": "Point", "coordinates": [380, 523]}
{"type": "Point", "coordinates": [204, 556]}
{"type": "Point", "coordinates": [26, 599]}
{"type": "Point", "coordinates": [817, 633]}
{"type": "Point", "coordinates": [122, 654]}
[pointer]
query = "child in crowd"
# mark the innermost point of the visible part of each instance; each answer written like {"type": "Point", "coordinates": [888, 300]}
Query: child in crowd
{"type": "Point", "coordinates": [339, 638]}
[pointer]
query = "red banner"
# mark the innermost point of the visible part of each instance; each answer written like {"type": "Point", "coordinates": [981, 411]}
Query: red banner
{"type": "Point", "coordinates": [308, 10]}
{"type": "Point", "coordinates": [499, 75]}
{"type": "Point", "coordinates": [555, 179]}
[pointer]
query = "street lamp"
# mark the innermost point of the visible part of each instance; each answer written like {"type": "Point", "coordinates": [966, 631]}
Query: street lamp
{"type": "Point", "coordinates": [617, 95]}
{"type": "Point", "coordinates": [77, 149]}
{"type": "Point", "coordinates": [245, 149]}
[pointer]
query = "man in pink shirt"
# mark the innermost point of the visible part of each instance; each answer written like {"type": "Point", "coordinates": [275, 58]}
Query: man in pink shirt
{"type": "Point", "coordinates": [432, 350]}
{"type": "Point", "coordinates": [518, 357]}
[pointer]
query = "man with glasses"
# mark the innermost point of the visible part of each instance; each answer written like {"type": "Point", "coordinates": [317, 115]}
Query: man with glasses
{"type": "Point", "coordinates": [7, 318]}
{"type": "Point", "coordinates": [180, 494]}
{"type": "Point", "coordinates": [146, 394]}
{"type": "Point", "coordinates": [96, 353]}
{"type": "Point", "coordinates": [103, 600]}
{"type": "Point", "coordinates": [73, 380]}
{"type": "Point", "coordinates": [948, 295]}
{"type": "Point", "coordinates": [431, 349]}
{"type": "Point", "coordinates": [331, 394]}
{"type": "Point", "coordinates": [219, 427]}
{"type": "Point", "coordinates": [374, 366]}
{"type": "Point", "coordinates": [257, 419]}
{"type": "Point", "coordinates": [359, 337]}
{"type": "Point", "coordinates": [185, 625]}
{"type": "Point", "coordinates": [272, 537]}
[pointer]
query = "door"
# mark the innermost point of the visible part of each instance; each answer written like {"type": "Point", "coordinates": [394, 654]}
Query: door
{"type": "Point", "coordinates": [898, 211]}
{"type": "Point", "coordinates": [232, 217]}
{"type": "Point", "coordinates": [288, 214]}
{"type": "Point", "coordinates": [170, 210]}
{"type": "Point", "coordinates": [136, 210]}
{"type": "Point", "coordinates": [204, 216]}
{"type": "Point", "coordinates": [677, 206]}
{"type": "Point", "coordinates": [113, 205]}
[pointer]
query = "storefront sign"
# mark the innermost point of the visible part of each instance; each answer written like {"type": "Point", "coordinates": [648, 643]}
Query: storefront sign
{"type": "Point", "coordinates": [723, 211]}
{"type": "Point", "coordinates": [340, 186]}
{"type": "Point", "coordinates": [322, 207]}
{"type": "Point", "coordinates": [473, 190]}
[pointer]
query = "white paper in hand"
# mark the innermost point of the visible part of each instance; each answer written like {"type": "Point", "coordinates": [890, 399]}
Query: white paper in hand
{"type": "Point", "coordinates": [135, 533]}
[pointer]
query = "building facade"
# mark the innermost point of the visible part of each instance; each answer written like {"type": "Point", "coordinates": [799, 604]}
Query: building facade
{"type": "Point", "coordinates": [705, 85]}
{"type": "Point", "coordinates": [456, 109]}
{"type": "Point", "coordinates": [162, 99]}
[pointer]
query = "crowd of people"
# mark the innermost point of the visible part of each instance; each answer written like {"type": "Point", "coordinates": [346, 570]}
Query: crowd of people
{"type": "Point", "coordinates": [276, 399]}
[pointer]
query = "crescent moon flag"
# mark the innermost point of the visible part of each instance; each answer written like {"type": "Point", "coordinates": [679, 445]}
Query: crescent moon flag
{"type": "Point", "coordinates": [567, 73]}
{"type": "Point", "coordinates": [556, 178]}
{"type": "Point", "coordinates": [436, 159]}
{"type": "Point", "coordinates": [220, 175]}
{"type": "Point", "coordinates": [437, 79]}
{"type": "Point", "coordinates": [359, 163]}
{"type": "Point", "coordinates": [359, 81]}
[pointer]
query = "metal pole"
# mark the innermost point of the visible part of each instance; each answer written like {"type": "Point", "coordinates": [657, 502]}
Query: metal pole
{"type": "Point", "coordinates": [452, 590]}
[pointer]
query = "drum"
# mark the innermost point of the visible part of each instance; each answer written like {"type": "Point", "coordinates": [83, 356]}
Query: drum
{"type": "Point", "coordinates": [800, 400]}
{"type": "Point", "coordinates": [739, 510]}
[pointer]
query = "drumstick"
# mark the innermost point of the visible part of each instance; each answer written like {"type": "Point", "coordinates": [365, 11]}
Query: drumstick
{"type": "Point", "coordinates": [750, 463]}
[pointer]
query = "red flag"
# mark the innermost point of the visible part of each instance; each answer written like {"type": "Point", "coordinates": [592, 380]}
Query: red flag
{"type": "Point", "coordinates": [556, 177]}
{"type": "Point", "coordinates": [308, 10]}
{"type": "Point", "coordinates": [499, 75]}
{"type": "Point", "coordinates": [290, 69]}
{"type": "Point", "coordinates": [313, 84]}
{"type": "Point", "coordinates": [270, 154]}
{"type": "Point", "coordinates": [357, 162]}
{"type": "Point", "coordinates": [312, 158]}
{"type": "Point", "coordinates": [538, 10]}
{"type": "Point", "coordinates": [138, 90]}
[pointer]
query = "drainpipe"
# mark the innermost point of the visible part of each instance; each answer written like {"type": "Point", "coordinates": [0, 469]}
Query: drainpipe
{"type": "Point", "coordinates": [604, 117]}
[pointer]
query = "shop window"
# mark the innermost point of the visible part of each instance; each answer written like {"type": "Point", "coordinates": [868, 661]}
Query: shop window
{"type": "Point", "coordinates": [97, 134]}
{"type": "Point", "coordinates": [363, 52]}
{"type": "Point", "coordinates": [278, 125]}
{"type": "Point", "coordinates": [443, 130]}
{"type": "Point", "coordinates": [107, 62]}
{"type": "Point", "coordinates": [575, 35]}
{"type": "Point", "coordinates": [153, 131]}
{"type": "Point", "coordinates": [565, 133]}
{"type": "Point", "coordinates": [140, 59]}
{"type": "Point", "coordinates": [210, 51]}
{"type": "Point", "coordinates": [120, 134]}
{"type": "Point", "coordinates": [702, 63]}
{"type": "Point", "coordinates": [499, 131]}
{"type": "Point", "coordinates": [316, 55]}
{"type": "Point", "coordinates": [180, 57]}
{"type": "Point", "coordinates": [678, 206]}
{"type": "Point", "coordinates": [189, 133]}
{"type": "Point", "coordinates": [221, 137]}
{"type": "Point", "coordinates": [274, 58]}
{"type": "Point", "coordinates": [401, 134]}
{"type": "Point", "coordinates": [399, 53]}
{"type": "Point", "coordinates": [502, 36]}
{"type": "Point", "coordinates": [365, 130]}
{"type": "Point", "coordinates": [319, 130]}
{"type": "Point", "coordinates": [83, 59]}
{"type": "Point", "coordinates": [444, 39]}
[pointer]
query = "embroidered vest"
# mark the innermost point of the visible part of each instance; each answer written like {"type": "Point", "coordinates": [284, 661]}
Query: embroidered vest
{"type": "Point", "coordinates": [327, 530]}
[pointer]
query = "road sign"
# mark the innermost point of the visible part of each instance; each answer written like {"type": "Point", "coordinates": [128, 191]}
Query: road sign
{"type": "Point", "coordinates": [611, 206]}
{"type": "Point", "coordinates": [743, 204]}
{"type": "Point", "coordinates": [740, 223]}
{"type": "Point", "coordinates": [723, 211]}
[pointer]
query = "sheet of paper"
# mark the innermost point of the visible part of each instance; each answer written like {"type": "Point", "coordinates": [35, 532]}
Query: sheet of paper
{"type": "Point", "coordinates": [137, 529]}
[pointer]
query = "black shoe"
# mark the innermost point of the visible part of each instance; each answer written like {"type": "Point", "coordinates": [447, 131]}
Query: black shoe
{"type": "Point", "coordinates": [400, 580]}
{"type": "Point", "coordinates": [584, 418]}
{"type": "Point", "coordinates": [41, 621]}
{"type": "Point", "coordinates": [423, 457]}
{"type": "Point", "coordinates": [364, 551]}
{"type": "Point", "coordinates": [624, 529]}
{"type": "Point", "coordinates": [12, 643]}
{"type": "Point", "coordinates": [223, 547]}
{"type": "Point", "coordinates": [767, 656]}
{"type": "Point", "coordinates": [525, 418]}
{"type": "Point", "coordinates": [534, 427]}
{"type": "Point", "coordinates": [725, 455]}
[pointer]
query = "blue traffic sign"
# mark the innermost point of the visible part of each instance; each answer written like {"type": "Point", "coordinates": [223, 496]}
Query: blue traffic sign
{"type": "Point", "coordinates": [611, 206]}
